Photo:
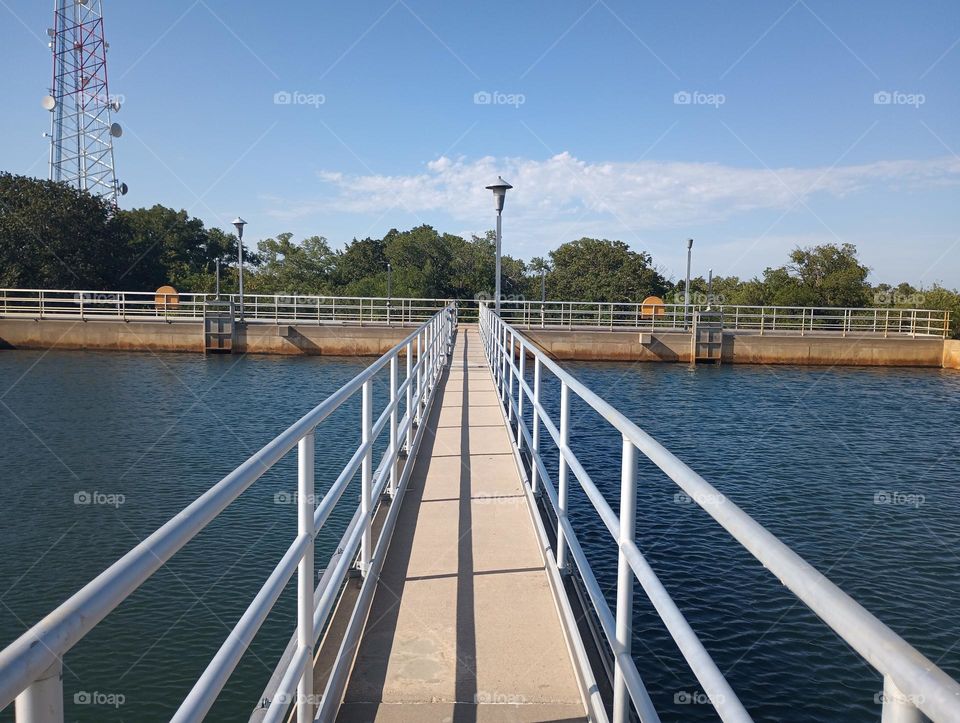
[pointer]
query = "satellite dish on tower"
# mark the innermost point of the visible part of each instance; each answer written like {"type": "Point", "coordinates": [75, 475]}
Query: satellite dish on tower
{"type": "Point", "coordinates": [48, 102]}
{"type": "Point", "coordinates": [115, 130]}
{"type": "Point", "coordinates": [115, 105]}
{"type": "Point", "coordinates": [123, 188]}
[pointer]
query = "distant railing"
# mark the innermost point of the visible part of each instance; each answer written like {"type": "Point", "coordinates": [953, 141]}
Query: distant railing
{"type": "Point", "coordinates": [269, 308]}
{"type": "Point", "coordinates": [31, 667]}
{"type": "Point", "coordinates": [792, 320]}
{"type": "Point", "coordinates": [911, 683]}
{"type": "Point", "coordinates": [307, 309]}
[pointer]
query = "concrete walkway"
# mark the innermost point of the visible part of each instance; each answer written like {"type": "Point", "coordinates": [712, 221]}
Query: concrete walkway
{"type": "Point", "coordinates": [463, 625]}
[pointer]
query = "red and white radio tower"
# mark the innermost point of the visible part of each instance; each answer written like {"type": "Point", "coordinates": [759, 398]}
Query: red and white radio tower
{"type": "Point", "coordinates": [81, 129]}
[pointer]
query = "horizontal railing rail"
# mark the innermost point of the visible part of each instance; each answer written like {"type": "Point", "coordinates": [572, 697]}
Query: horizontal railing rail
{"type": "Point", "coordinates": [912, 683]}
{"type": "Point", "coordinates": [306, 309]}
{"type": "Point", "coordinates": [270, 308]}
{"type": "Point", "coordinates": [793, 320]}
{"type": "Point", "coordinates": [31, 666]}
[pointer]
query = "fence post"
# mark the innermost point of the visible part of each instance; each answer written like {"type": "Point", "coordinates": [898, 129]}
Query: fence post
{"type": "Point", "coordinates": [366, 487]}
{"type": "Point", "coordinates": [535, 469]}
{"type": "Point", "coordinates": [409, 396]}
{"type": "Point", "coordinates": [305, 510]}
{"type": "Point", "coordinates": [628, 517]}
{"type": "Point", "coordinates": [394, 416]}
{"type": "Point", "coordinates": [897, 708]}
{"type": "Point", "coordinates": [520, 381]}
{"type": "Point", "coordinates": [42, 702]}
{"type": "Point", "coordinates": [416, 410]}
{"type": "Point", "coordinates": [510, 377]}
{"type": "Point", "coordinates": [563, 474]}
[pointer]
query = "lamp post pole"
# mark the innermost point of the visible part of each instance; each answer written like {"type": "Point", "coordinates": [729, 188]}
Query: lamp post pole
{"type": "Point", "coordinates": [686, 289]}
{"type": "Point", "coordinates": [499, 195]}
{"type": "Point", "coordinates": [389, 290]}
{"type": "Point", "coordinates": [239, 223]}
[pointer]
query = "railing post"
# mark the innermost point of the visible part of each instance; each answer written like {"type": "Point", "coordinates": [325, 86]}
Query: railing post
{"type": "Point", "coordinates": [409, 396]}
{"type": "Point", "coordinates": [305, 510]}
{"type": "Point", "coordinates": [897, 708]}
{"type": "Point", "coordinates": [366, 475]}
{"type": "Point", "coordinates": [628, 516]}
{"type": "Point", "coordinates": [510, 378]}
{"type": "Point", "coordinates": [535, 469]}
{"type": "Point", "coordinates": [523, 365]}
{"type": "Point", "coordinates": [394, 417]}
{"type": "Point", "coordinates": [42, 702]}
{"type": "Point", "coordinates": [416, 411]}
{"type": "Point", "coordinates": [563, 474]}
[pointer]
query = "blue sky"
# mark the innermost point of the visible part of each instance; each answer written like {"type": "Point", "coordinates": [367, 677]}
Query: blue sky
{"type": "Point", "coordinates": [751, 126]}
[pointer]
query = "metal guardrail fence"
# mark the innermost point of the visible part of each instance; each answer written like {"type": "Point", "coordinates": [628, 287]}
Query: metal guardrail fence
{"type": "Point", "coordinates": [270, 308]}
{"type": "Point", "coordinates": [306, 309]}
{"type": "Point", "coordinates": [794, 320]}
{"type": "Point", "coordinates": [912, 684]}
{"type": "Point", "coordinates": [31, 666]}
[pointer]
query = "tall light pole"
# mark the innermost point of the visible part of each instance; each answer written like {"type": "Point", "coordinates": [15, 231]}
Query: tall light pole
{"type": "Point", "coordinates": [499, 195]}
{"type": "Point", "coordinates": [389, 290]}
{"type": "Point", "coordinates": [686, 290]}
{"type": "Point", "coordinates": [239, 223]}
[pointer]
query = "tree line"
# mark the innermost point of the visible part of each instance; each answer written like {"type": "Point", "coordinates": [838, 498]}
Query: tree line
{"type": "Point", "coordinates": [54, 236]}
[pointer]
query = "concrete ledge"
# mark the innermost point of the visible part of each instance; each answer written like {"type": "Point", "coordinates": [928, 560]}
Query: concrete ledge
{"type": "Point", "coordinates": [951, 354]}
{"type": "Point", "coordinates": [745, 348]}
{"type": "Point", "coordinates": [187, 336]}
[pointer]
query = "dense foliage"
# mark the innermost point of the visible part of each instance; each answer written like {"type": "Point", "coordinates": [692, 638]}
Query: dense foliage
{"type": "Point", "coordinates": [52, 236]}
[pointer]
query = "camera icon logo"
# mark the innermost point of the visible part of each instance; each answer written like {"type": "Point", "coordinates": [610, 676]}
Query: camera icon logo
{"type": "Point", "coordinates": [482, 97]}
{"type": "Point", "coordinates": [682, 97]}
{"type": "Point", "coordinates": [82, 498]}
{"type": "Point", "coordinates": [882, 97]}
{"type": "Point", "coordinates": [282, 97]}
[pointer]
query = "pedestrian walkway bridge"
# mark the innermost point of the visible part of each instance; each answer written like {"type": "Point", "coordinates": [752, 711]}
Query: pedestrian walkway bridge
{"type": "Point", "coordinates": [450, 595]}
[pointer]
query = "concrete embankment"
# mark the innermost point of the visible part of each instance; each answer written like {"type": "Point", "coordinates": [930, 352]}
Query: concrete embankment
{"type": "Point", "coordinates": [745, 348]}
{"type": "Point", "coordinates": [184, 336]}
{"type": "Point", "coordinates": [562, 344]}
{"type": "Point", "coordinates": [951, 354]}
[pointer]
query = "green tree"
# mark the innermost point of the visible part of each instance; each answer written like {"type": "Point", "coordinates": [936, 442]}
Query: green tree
{"type": "Point", "coordinates": [56, 237]}
{"type": "Point", "coordinates": [600, 270]}
{"type": "Point", "coordinates": [294, 268]}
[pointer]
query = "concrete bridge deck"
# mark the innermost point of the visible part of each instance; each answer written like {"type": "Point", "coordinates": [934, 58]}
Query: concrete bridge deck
{"type": "Point", "coordinates": [464, 625]}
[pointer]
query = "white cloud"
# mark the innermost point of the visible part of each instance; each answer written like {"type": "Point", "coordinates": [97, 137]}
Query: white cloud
{"type": "Point", "coordinates": [564, 191]}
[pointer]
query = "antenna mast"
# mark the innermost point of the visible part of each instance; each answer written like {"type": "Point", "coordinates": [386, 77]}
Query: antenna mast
{"type": "Point", "coordinates": [81, 130]}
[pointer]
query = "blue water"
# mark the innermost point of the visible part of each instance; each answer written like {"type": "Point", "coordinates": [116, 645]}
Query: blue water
{"type": "Point", "coordinates": [855, 469]}
{"type": "Point", "coordinates": [805, 451]}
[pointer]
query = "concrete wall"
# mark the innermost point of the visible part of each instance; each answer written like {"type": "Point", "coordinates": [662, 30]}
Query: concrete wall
{"type": "Point", "coordinates": [951, 354]}
{"type": "Point", "coordinates": [744, 348]}
{"type": "Point", "coordinates": [188, 336]}
{"type": "Point", "coordinates": [561, 344]}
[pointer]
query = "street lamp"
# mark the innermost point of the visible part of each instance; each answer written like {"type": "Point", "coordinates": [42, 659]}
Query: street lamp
{"type": "Point", "coordinates": [499, 195]}
{"type": "Point", "coordinates": [686, 291]}
{"type": "Point", "coordinates": [239, 223]}
{"type": "Point", "coordinates": [389, 289]}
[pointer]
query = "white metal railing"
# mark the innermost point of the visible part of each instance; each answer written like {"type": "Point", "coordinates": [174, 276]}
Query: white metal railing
{"type": "Point", "coordinates": [270, 308]}
{"type": "Point", "coordinates": [793, 320]}
{"type": "Point", "coordinates": [912, 684]}
{"type": "Point", "coordinates": [31, 666]}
